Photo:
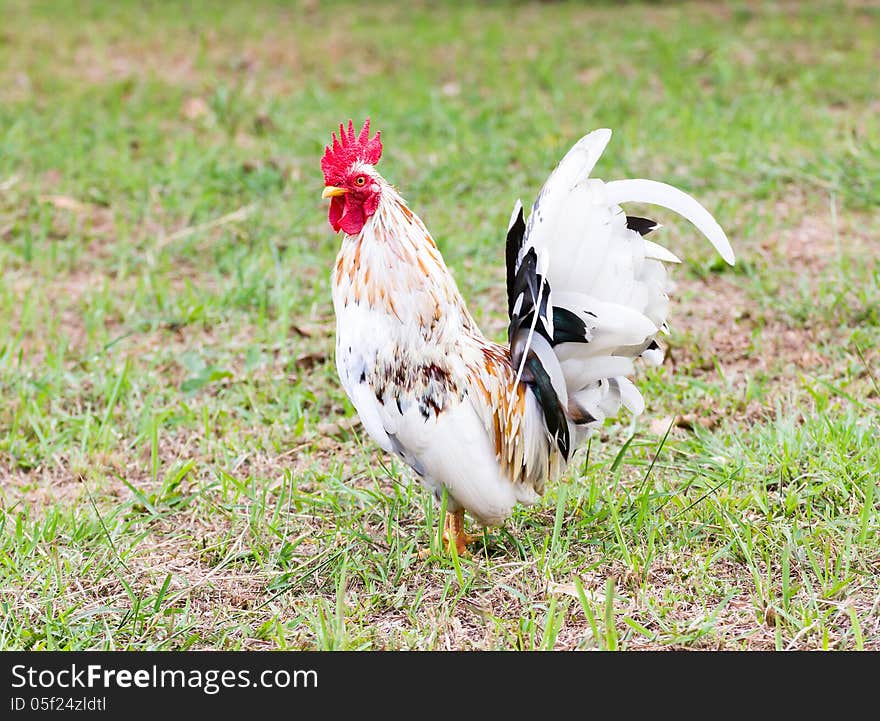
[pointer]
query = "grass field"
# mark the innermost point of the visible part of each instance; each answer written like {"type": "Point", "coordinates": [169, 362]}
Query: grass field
{"type": "Point", "coordinates": [180, 467]}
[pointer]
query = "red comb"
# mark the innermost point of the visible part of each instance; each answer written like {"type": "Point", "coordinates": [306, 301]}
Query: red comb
{"type": "Point", "coordinates": [348, 149]}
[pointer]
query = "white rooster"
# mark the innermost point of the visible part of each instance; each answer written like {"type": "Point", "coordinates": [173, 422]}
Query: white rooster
{"type": "Point", "coordinates": [587, 296]}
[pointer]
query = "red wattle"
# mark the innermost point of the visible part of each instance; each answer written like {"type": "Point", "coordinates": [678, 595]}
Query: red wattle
{"type": "Point", "coordinates": [337, 206]}
{"type": "Point", "coordinates": [347, 214]}
{"type": "Point", "coordinates": [353, 218]}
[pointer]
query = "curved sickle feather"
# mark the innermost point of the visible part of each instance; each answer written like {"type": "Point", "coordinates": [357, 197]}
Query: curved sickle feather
{"type": "Point", "coordinates": [655, 193]}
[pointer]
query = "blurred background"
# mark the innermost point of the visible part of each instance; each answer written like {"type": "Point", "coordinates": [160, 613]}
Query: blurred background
{"type": "Point", "coordinates": [171, 423]}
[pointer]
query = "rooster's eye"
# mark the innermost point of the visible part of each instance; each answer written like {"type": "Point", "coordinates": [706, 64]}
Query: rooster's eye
{"type": "Point", "coordinates": [360, 180]}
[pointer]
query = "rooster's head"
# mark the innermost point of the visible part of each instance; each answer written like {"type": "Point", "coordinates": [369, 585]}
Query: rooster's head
{"type": "Point", "coordinates": [351, 181]}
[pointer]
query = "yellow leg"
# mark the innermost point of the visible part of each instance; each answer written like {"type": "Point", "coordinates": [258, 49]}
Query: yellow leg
{"type": "Point", "coordinates": [453, 532]}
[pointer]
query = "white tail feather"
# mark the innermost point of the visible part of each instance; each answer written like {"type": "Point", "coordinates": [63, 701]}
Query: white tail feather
{"type": "Point", "coordinates": [658, 252]}
{"type": "Point", "coordinates": [650, 191]}
{"type": "Point", "coordinates": [579, 373]}
{"type": "Point", "coordinates": [630, 396]}
{"type": "Point", "coordinates": [607, 275]}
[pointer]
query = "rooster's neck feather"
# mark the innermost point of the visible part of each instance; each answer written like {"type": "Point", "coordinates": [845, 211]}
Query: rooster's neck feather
{"type": "Point", "coordinates": [394, 266]}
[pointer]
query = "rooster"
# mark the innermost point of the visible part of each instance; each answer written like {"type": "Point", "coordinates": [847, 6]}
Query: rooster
{"type": "Point", "coordinates": [489, 424]}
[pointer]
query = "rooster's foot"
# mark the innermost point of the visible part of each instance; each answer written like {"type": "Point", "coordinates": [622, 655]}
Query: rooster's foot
{"type": "Point", "coordinates": [454, 534]}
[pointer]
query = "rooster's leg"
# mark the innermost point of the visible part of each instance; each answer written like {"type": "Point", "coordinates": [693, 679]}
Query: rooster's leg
{"type": "Point", "coordinates": [453, 532]}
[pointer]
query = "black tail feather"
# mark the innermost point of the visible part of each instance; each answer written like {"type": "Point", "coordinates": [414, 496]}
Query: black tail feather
{"type": "Point", "coordinates": [514, 245]}
{"type": "Point", "coordinates": [525, 286]}
{"type": "Point", "coordinates": [642, 226]}
{"type": "Point", "coordinates": [554, 414]}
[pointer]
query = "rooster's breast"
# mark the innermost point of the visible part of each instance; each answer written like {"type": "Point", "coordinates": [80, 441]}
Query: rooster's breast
{"type": "Point", "coordinates": [416, 399]}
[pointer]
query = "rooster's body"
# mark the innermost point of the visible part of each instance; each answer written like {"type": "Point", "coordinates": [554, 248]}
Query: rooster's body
{"type": "Point", "coordinates": [586, 296]}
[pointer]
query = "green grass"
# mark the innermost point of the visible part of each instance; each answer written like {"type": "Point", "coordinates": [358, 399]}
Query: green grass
{"type": "Point", "coordinates": [180, 467]}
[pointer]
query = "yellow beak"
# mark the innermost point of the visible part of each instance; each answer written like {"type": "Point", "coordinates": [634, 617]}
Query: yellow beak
{"type": "Point", "coordinates": [331, 191]}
